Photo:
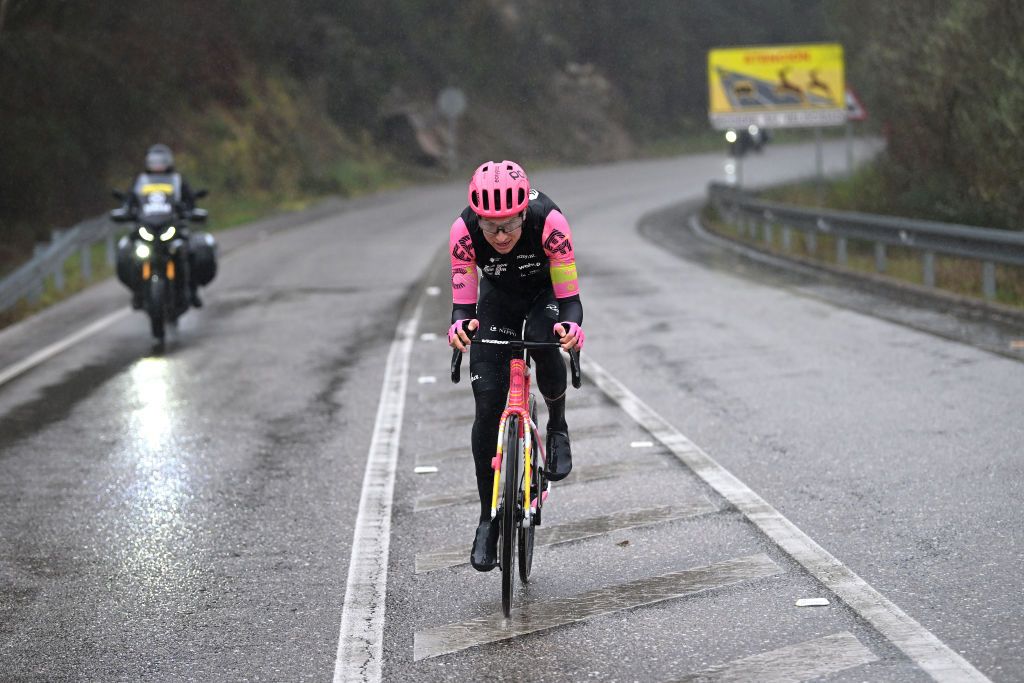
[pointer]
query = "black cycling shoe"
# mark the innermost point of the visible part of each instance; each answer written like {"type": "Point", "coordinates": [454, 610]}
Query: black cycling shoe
{"type": "Point", "coordinates": [484, 555]}
{"type": "Point", "coordinates": [559, 455]}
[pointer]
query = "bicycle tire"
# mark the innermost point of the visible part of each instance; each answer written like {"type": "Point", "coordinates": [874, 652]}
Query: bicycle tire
{"type": "Point", "coordinates": [509, 534]}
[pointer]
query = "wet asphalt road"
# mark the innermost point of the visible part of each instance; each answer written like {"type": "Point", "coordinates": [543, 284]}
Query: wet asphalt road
{"type": "Point", "coordinates": [188, 515]}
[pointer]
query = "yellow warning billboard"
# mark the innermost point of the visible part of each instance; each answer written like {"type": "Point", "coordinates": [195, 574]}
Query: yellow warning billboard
{"type": "Point", "coordinates": [780, 86]}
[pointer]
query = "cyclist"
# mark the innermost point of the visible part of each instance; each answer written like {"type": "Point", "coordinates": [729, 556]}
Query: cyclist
{"type": "Point", "coordinates": [522, 244]}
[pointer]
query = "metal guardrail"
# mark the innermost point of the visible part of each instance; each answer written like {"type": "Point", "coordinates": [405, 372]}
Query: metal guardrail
{"type": "Point", "coordinates": [988, 245]}
{"type": "Point", "coordinates": [29, 281]}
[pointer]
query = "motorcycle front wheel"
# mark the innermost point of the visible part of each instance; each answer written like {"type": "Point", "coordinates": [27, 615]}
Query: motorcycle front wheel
{"type": "Point", "coordinates": [156, 307]}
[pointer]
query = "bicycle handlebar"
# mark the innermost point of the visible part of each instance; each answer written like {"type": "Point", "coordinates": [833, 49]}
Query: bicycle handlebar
{"type": "Point", "coordinates": [519, 345]}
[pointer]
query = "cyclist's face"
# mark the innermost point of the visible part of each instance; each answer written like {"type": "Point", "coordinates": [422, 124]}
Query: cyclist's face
{"type": "Point", "coordinates": [502, 234]}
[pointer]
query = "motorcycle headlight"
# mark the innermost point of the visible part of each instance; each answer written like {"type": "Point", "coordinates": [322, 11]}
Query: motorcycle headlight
{"type": "Point", "coordinates": [730, 136]}
{"type": "Point", "coordinates": [167, 234]}
{"type": "Point", "coordinates": [146, 234]}
{"type": "Point", "coordinates": [142, 251]}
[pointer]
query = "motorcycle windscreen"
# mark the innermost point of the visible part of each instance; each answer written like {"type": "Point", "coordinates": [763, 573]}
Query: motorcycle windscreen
{"type": "Point", "coordinates": [157, 194]}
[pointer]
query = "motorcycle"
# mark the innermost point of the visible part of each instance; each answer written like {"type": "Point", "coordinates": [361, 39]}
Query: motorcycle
{"type": "Point", "coordinates": [154, 259]}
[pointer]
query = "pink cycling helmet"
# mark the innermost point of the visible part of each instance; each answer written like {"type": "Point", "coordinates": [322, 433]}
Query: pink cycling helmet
{"type": "Point", "coordinates": [499, 190]}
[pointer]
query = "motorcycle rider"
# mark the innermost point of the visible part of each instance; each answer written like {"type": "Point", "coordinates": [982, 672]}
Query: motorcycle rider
{"type": "Point", "coordinates": [159, 164]}
{"type": "Point", "coordinates": [523, 246]}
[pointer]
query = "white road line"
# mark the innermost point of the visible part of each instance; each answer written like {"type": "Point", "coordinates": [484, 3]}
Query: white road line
{"type": "Point", "coordinates": [555, 612]}
{"type": "Point", "coordinates": [360, 645]}
{"type": "Point", "coordinates": [45, 354]}
{"type": "Point", "coordinates": [805, 661]}
{"type": "Point", "coordinates": [917, 642]}
{"type": "Point", "coordinates": [577, 530]}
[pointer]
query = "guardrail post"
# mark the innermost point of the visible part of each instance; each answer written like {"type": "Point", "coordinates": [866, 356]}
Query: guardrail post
{"type": "Point", "coordinates": [37, 289]}
{"type": "Point", "coordinates": [879, 257]}
{"type": "Point", "coordinates": [86, 264]}
{"type": "Point", "coordinates": [841, 251]}
{"type": "Point", "coordinates": [111, 254]}
{"type": "Point", "coordinates": [988, 280]}
{"type": "Point", "coordinates": [787, 238]}
{"type": "Point", "coordinates": [58, 272]}
{"type": "Point", "coordinates": [929, 269]}
{"type": "Point", "coordinates": [811, 239]}
{"type": "Point", "coordinates": [768, 233]}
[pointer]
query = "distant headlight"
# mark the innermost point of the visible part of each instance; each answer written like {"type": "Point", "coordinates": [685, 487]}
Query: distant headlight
{"type": "Point", "coordinates": [167, 234]}
{"type": "Point", "coordinates": [752, 129]}
{"type": "Point", "coordinates": [146, 234]}
{"type": "Point", "coordinates": [730, 137]}
{"type": "Point", "coordinates": [142, 251]}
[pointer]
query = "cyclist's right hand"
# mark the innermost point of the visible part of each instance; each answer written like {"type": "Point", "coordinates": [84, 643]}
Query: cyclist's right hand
{"type": "Point", "coordinates": [457, 336]}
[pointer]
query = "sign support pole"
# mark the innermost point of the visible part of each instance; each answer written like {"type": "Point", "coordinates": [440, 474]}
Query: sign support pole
{"type": "Point", "coordinates": [849, 148]}
{"type": "Point", "coordinates": [819, 165]}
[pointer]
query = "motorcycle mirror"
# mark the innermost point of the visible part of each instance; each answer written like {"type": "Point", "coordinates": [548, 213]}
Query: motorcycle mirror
{"type": "Point", "coordinates": [121, 216]}
{"type": "Point", "coordinates": [202, 193]}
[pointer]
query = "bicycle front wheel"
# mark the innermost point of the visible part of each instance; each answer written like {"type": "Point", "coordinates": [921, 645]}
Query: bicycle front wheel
{"type": "Point", "coordinates": [509, 534]}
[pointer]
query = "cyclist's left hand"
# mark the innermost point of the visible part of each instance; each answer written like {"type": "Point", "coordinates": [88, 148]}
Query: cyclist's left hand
{"type": "Point", "coordinates": [570, 335]}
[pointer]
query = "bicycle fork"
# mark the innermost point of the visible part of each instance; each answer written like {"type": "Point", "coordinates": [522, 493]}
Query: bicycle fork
{"type": "Point", "coordinates": [526, 428]}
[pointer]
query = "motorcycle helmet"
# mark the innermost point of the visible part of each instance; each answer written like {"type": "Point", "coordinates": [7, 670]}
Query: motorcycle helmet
{"type": "Point", "coordinates": [159, 159]}
{"type": "Point", "coordinates": [499, 190]}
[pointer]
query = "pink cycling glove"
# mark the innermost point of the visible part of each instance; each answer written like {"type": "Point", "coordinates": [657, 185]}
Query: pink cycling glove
{"type": "Point", "coordinates": [453, 331]}
{"type": "Point", "coordinates": [573, 330]}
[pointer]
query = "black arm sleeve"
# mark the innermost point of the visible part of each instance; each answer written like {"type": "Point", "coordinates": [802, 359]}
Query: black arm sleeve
{"type": "Point", "coordinates": [570, 309]}
{"type": "Point", "coordinates": [463, 311]}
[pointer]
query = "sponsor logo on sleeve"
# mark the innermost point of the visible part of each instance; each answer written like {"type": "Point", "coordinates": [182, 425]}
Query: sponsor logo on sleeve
{"type": "Point", "coordinates": [558, 243]}
{"type": "Point", "coordinates": [463, 249]}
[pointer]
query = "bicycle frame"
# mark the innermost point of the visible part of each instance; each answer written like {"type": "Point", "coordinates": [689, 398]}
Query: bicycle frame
{"type": "Point", "coordinates": [517, 404]}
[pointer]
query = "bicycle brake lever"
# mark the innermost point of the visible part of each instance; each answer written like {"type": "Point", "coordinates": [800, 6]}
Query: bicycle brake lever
{"type": "Point", "coordinates": [574, 367]}
{"type": "Point", "coordinates": [456, 366]}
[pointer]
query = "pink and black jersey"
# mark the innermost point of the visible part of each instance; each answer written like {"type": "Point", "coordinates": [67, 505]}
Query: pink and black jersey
{"type": "Point", "coordinates": [542, 259]}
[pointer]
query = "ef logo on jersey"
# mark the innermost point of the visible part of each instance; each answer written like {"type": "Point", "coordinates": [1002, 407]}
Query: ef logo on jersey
{"type": "Point", "coordinates": [461, 249]}
{"type": "Point", "coordinates": [558, 243]}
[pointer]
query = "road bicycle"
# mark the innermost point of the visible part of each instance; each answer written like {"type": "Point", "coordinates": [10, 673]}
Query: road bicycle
{"type": "Point", "coordinates": [520, 484]}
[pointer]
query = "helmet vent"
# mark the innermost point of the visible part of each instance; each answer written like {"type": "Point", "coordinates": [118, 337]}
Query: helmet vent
{"type": "Point", "coordinates": [508, 198]}
{"type": "Point", "coordinates": [475, 198]}
{"type": "Point", "coordinates": [522, 196]}
{"type": "Point", "coordinates": [497, 200]}
{"type": "Point", "coordinates": [487, 202]}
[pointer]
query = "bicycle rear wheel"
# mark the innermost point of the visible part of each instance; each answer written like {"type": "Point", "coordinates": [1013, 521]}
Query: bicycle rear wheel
{"type": "Point", "coordinates": [509, 534]}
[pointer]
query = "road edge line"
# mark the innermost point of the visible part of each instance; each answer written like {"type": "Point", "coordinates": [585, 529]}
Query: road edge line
{"type": "Point", "coordinates": [914, 640]}
{"type": "Point", "coordinates": [45, 354]}
{"type": "Point", "coordinates": [361, 635]}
